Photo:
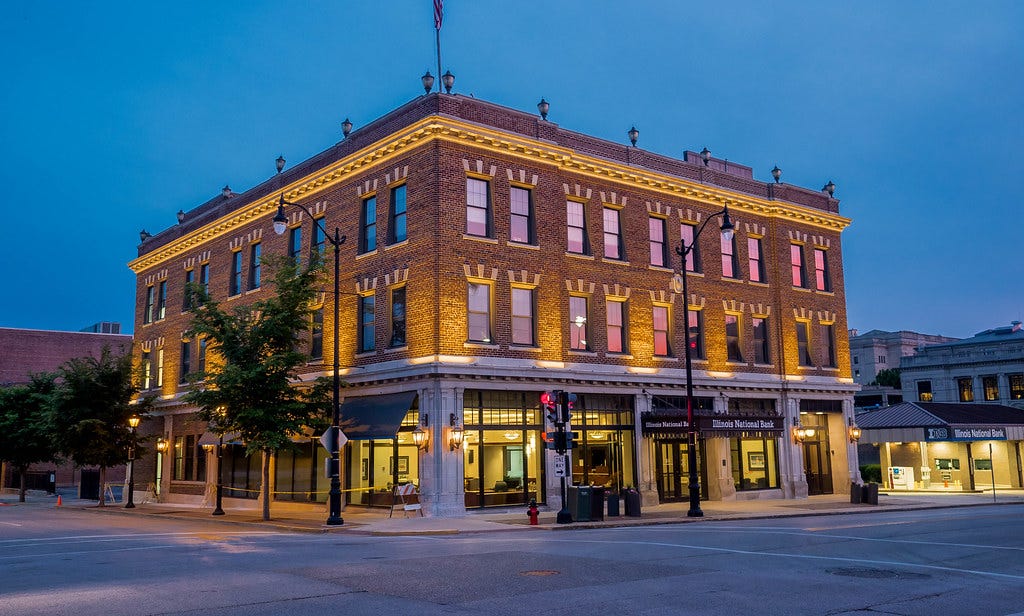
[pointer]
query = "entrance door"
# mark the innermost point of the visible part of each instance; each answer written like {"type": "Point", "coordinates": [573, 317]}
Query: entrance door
{"type": "Point", "coordinates": [818, 468]}
{"type": "Point", "coordinates": [673, 471]}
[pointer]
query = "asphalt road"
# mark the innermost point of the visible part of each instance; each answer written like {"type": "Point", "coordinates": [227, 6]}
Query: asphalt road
{"type": "Point", "coordinates": [935, 562]}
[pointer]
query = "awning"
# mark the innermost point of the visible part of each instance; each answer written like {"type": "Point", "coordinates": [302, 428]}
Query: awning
{"type": "Point", "coordinates": [371, 417]}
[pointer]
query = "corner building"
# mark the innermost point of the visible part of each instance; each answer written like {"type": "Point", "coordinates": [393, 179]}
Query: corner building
{"type": "Point", "coordinates": [492, 255]}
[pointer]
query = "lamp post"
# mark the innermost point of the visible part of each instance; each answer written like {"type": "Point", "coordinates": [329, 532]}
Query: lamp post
{"type": "Point", "coordinates": [691, 448]}
{"type": "Point", "coordinates": [133, 421]}
{"type": "Point", "coordinates": [217, 509]}
{"type": "Point", "coordinates": [280, 224]}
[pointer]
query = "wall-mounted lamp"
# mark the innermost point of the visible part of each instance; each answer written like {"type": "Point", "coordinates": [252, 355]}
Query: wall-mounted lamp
{"type": "Point", "coordinates": [855, 433]}
{"type": "Point", "coordinates": [161, 445]}
{"type": "Point", "coordinates": [422, 438]}
{"type": "Point", "coordinates": [456, 434]}
{"type": "Point", "coordinates": [801, 434]}
{"type": "Point", "coordinates": [208, 447]}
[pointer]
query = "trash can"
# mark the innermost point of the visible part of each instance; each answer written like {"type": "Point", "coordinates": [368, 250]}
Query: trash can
{"type": "Point", "coordinates": [870, 494]}
{"type": "Point", "coordinates": [632, 498]}
{"type": "Point", "coordinates": [613, 505]}
{"type": "Point", "coordinates": [596, 503]}
{"type": "Point", "coordinates": [579, 498]}
{"type": "Point", "coordinates": [856, 493]}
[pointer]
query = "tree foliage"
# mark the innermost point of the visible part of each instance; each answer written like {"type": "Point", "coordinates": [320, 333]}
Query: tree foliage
{"type": "Point", "coordinates": [890, 377]}
{"type": "Point", "coordinates": [25, 432]}
{"type": "Point", "coordinates": [90, 410]}
{"type": "Point", "coordinates": [249, 387]}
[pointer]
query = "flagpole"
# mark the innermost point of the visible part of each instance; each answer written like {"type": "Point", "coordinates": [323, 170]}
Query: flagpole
{"type": "Point", "coordinates": [438, 18]}
{"type": "Point", "coordinates": [439, 80]}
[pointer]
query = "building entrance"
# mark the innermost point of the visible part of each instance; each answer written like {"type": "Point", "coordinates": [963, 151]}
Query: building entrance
{"type": "Point", "coordinates": [817, 463]}
{"type": "Point", "coordinates": [674, 471]}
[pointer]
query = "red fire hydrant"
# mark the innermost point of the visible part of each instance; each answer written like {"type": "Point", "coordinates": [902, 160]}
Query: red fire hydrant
{"type": "Point", "coordinates": [534, 513]}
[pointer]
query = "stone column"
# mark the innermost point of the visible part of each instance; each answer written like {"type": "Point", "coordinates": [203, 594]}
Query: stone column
{"type": "Point", "coordinates": [647, 474]}
{"type": "Point", "coordinates": [791, 454]}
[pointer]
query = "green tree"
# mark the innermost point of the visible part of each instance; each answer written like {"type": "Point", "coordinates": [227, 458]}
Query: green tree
{"type": "Point", "coordinates": [250, 386]}
{"type": "Point", "coordinates": [890, 377]}
{"type": "Point", "coordinates": [25, 434]}
{"type": "Point", "coordinates": [90, 410]}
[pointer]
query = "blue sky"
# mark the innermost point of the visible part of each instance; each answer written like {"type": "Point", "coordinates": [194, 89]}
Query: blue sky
{"type": "Point", "coordinates": [118, 114]}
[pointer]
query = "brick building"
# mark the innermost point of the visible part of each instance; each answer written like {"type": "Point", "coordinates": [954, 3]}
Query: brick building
{"type": "Point", "coordinates": [493, 255]}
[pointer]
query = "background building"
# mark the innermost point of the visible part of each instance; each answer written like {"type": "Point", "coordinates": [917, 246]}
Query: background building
{"type": "Point", "coordinates": [877, 350]}
{"type": "Point", "coordinates": [493, 255]}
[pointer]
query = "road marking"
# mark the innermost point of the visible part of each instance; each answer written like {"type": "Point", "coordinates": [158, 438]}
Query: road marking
{"type": "Point", "coordinates": [10, 523]}
{"type": "Point", "coordinates": [134, 536]}
{"type": "Point", "coordinates": [51, 554]}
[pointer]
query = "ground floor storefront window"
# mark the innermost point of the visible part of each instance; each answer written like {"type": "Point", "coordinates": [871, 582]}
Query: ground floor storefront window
{"type": "Point", "coordinates": [502, 448]}
{"type": "Point", "coordinates": [375, 467]}
{"type": "Point", "coordinates": [605, 454]}
{"type": "Point", "coordinates": [755, 464]}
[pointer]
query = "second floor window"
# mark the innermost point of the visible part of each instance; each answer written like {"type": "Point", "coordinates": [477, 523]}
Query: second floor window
{"type": "Point", "coordinates": [695, 334]}
{"type": "Point", "coordinates": [521, 229]}
{"type": "Point", "coordinates": [796, 265]}
{"type": "Point", "coordinates": [659, 254]}
{"type": "Point", "coordinates": [924, 391]}
{"type": "Point", "coordinates": [367, 325]}
{"type": "Point", "coordinates": [733, 344]}
{"type": "Point", "coordinates": [1016, 386]}
{"type": "Point", "coordinates": [185, 361]}
{"type": "Point", "coordinates": [522, 316]}
{"type": "Point", "coordinates": [254, 266]}
{"type": "Point", "coordinates": [761, 354]}
{"type": "Point", "coordinates": [990, 387]}
{"type": "Point", "coordinates": [316, 334]}
{"type": "Point", "coordinates": [803, 343]}
{"type": "Point", "coordinates": [201, 359]}
{"type": "Point", "coordinates": [236, 273]}
{"type": "Point", "coordinates": [478, 311]}
{"type": "Point", "coordinates": [396, 221]}
{"type": "Point", "coordinates": [828, 338]}
{"type": "Point", "coordinates": [147, 315]}
{"type": "Point", "coordinates": [147, 371]}
{"type": "Point", "coordinates": [368, 226]}
{"type": "Point", "coordinates": [612, 234]}
{"type": "Point", "coordinates": [730, 263]}
{"type": "Point", "coordinates": [398, 312]}
{"type": "Point", "coordinates": [578, 323]}
{"type": "Point", "coordinates": [686, 232]}
{"type": "Point", "coordinates": [965, 389]}
{"type": "Point", "coordinates": [576, 225]}
{"type": "Point", "coordinates": [755, 260]}
{"type": "Point", "coordinates": [616, 312]}
{"type": "Point", "coordinates": [478, 207]}
{"type": "Point", "coordinates": [159, 367]}
{"type": "Point", "coordinates": [661, 331]}
{"type": "Point", "coordinates": [161, 300]}
{"type": "Point", "coordinates": [822, 281]}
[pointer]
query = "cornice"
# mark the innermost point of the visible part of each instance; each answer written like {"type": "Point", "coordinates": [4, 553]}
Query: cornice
{"type": "Point", "coordinates": [449, 129]}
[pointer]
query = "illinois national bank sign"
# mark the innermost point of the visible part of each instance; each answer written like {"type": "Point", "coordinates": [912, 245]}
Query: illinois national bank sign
{"type": "Point", "coordinates": [716, 425]}
{"type": "Point", "coordinates": [965, 433]}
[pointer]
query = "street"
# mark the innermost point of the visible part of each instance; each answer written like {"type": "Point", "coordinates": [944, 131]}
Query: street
{"type": "Point", "coordinates": [939, 561]}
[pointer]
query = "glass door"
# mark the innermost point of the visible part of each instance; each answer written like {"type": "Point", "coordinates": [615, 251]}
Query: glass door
{"type": "Point", "coordinates": [674, 471]}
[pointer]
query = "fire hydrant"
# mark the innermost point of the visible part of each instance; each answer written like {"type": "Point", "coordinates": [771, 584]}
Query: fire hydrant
{"type": "Point", "coordinates": [533, 512]}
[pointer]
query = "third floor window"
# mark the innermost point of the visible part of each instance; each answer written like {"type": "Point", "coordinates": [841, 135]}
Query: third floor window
{"type": "Point", "coordinates": [521, 228]}
{"type": "Point", "coordinates": [693, 263]}
{"type": "Point", "coordinates": [796, 265]}
{"type": "Point", "coordinates": [659, 243]}
{"type": "Point", "coordinates": [368, 226]}
{"type": "Point", "coordinates": [478, 207]}
{"type": "Point", "coordinates": [612, 234]}
{"type": "Point", "coordinates": [576, 224]}
{"type": "Point", "coordinates": [755, 259]}
{"type": "Point", "coordinates": [822, 280]}
{"type": "Point", "coordinates": [730, 262]}
{"type": "Point", "coordinates": [235, 286]}
{"type": "Point", "coordinates": [396, 218]}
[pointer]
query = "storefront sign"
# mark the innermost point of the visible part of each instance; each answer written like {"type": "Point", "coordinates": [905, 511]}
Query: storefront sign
{"type": "Point", "coordinates": [965, 433]}
{"type": "Point", "coordinates": [710, 425]}
{"type": "Point", "coordinates": [663, 423]}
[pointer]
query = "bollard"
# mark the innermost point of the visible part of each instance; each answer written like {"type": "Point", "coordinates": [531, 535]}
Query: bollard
{"type": "Point", "coordinates": [59, 501]}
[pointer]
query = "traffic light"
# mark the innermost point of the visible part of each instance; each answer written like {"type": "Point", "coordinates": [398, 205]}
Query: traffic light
{"type": "Point", "coordinates": [561, 441]}
{"type": "Point", "coordinates": [549, 405]}
{"type": "Point", "coordinates": [566, 403]}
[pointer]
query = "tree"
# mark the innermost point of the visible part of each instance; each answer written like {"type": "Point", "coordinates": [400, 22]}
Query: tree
{"type": "Point", "coordinates": [250, 389]}
{"type": "Point", "coordinates": [890, 377]}
{"type": "Point", "coordinates": [90, 410]}
{"type": "Point", "coordinates": [25, 435]}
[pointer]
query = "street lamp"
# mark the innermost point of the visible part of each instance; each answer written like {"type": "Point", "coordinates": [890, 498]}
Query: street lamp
{"type": "Point", "coordinates": [280, 224]}
{"type": "Point", "coordinates": [691, 449]}
{"type": "Point", "coordinates": [133, 421]}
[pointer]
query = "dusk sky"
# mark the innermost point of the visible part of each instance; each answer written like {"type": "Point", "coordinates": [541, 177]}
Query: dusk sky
{"type": "Point", "coordinates": [118, 114]}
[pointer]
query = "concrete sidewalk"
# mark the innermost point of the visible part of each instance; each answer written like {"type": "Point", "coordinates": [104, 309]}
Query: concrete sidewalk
{"type": "Point", "coordinates": [290, 517]}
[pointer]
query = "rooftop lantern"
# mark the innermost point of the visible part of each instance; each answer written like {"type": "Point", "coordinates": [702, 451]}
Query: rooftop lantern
{"type": "Point", "coordinates": [830, 188]}
{"type": "Point", "coordinates": [634, 134]}
{"type": "Point", "coordinates": [346, 127]}
{"type": "Point", "coordinates": [705, 155]}
{"type": "Point", "coordinates": [226, 191]}
{"type": "Point", "coordinates": [776, 173]}
{"type": "Point", "coordinates": [280, 163]}
{"type": "Point", "coordinates": [543, 107]}
{"type": "Point", "coordinates": [448, 80]}
{"type": "Point", "coordinates": [428, 82]}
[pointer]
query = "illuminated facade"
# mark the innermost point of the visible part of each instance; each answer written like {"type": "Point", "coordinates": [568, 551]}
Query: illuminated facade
{"type": "Point", "coordinates": [493, 255]}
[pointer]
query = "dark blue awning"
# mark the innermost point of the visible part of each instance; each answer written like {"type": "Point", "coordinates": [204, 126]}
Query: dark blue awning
{"type": "Point", "coordinates": [372, 417]}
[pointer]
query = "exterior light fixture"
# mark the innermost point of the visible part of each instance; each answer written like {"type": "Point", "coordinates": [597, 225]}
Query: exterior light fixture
{"type": "Point", "coordinates": [181, 216]}
{"type": "Point", "coordinates": [634, 134]}
{"type": "Point", "coordinates": [161, 445]}
{"type": "Point", "coordinates": [705, 155]}
{"type": "Point", "coordinates": [543, 107]}
{"type": "Point", "coordinates": [144, 235]}
{"type": "Point", "coordinates": [799, 434]}
{"type": "Point", "coordinates": [226, 192]}
{"type": "Point", "coordinates": [346, 127]}
{"type": "Point", "coordinates": [208, 447]}
{"type": "Point", "coordinates": [280, 163]}
{"type": "Point", "coordinates": [133, 423]}
{"type": "Point", "coordinates": [776, 173]}
{"type": "Point", "coordinates": [448, 80]}
{"type": "Point", "coordinates": [457, 433]}
{"type": "Point", "coordinates": [428, 82]}
{"type": "Point", "coordinates": [855, 433]}
{"type": "Point", "coordinates": [830, 188]}
{"type": "Point", "coordinates": [422, 439]}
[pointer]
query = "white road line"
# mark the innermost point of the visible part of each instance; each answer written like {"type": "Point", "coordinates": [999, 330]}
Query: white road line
{"type": "Point", "coordinates": [138, 535]}
{"type": "Point", "coordinates": [52, 554]}
{"type": "Point", "coordinates": [10, 523]}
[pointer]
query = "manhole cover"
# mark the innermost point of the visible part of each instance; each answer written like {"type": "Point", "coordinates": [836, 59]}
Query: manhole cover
{"type": "Point", "coordinates": [877, 574]}
{"type": "Point", "coordinates": [539, 572]}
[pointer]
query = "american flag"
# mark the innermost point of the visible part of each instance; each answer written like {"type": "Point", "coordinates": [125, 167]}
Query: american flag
{"type": "Point", "coordinates": [438, 13]}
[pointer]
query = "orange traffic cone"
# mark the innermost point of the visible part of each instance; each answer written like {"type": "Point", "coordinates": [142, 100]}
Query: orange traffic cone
{"type": "Point", "coordinates": [59, 501]}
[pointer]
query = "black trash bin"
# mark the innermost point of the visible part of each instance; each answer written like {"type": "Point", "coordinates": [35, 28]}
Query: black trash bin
{"type": "Point", "coordinates": [856, 493]}
{"type": "Point", "coordinates": [632, 498]}
{"type": "Point", "coordinates": [596, 503]}
{"type": "Point", "coordinates": [870, 494]}
{"type": "Point", "coordinates": [579, 498]}
{"type": "Point", "coordinates": [613, 505]}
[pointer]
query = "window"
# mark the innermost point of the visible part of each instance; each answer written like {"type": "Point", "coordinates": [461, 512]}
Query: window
{"type": "Point", "coordinates": [398, 308]}
{"type": "Point", "coordinates": [189, 459]}
{"type": "Point", "coordinates": [755, 260]}
{"type": "Point", "coordinates": [612, 234]}
{"type": "Point", "coordinates": [856, 359]}
{"type": "Point", "coordinates": [965, 389]}
{"type": "Point", "coordinates": [522, 216]}
{"type": "Point", "coordinates": [204, 277]}
{"type": "Point", "coordinates": [478, 207]}
{"type": "Point", "coordinates": [147, 371]}
{"type": "Point", "coordinates": [696, 333]}
{"type": "Point", "coordinates": [796, 263]}
{"type": "Point", "coordinates": [1016, 386]}
{"type": "Point", "coordinates": [201, 363]}
{"type": "Point", "coordinates": [924, 391]}
{"type": "Point", "coordinates": [236, 273]}
{"type": "Point", "coordinates": [693, 263]}
{"type": "Point", "coordinates": [730, 262]}
{"type": "Point", "coordinates": [254, 266]}
{"type": "Point", "coordinates": [578, 323]}
{"type": "Point", "coordinates": [615, 312]}
{"type": "Point", "coordinates": [659, 254]}
{"type": "Point", "coordinates": [396, 222]}
{"type": "Point", "coordinates": [316, 334]}
{"type": "Point", "coordinates": [881, 359]}
{"type": "Point", "coordinates": [661, 331]}
{"type": "Point", "coordinates": [185, 361]}
{"type": "Point", "coordinates": [522, 316]}
{"type": "Point", "coordinates": [367, 327]}
{"type": "Point", "coordinates": [319, 237]}
{"type": "Point", "coordinates": [159, 367]}
{"type": "Point", "coordinates": [161, 300]}
{"type": "Point", "coordinates": [822, 281]}
{"type": "Point", "coordinates": [147, 315]}
{"type": "Point", "coordinates": [186, 301]}
{"type": "Point", "coordinates": [368, 226]}
{"type": "Point", "coordinates": [828, 337]}
{"type": "Point", "coordinates": [478, 307]}
{"type": "Point", "coordinates": [990, 387]}
{"type": "Point", "coordinates": [576, 222]}
{"type": "Point", "coordinates": [803, 344]}
{"type": "Point", "coordinates": [761, 354]}
{"type": "Point", "coordinates": [732, 338]}
{"type": "Point", "coordinates": [295, 242]}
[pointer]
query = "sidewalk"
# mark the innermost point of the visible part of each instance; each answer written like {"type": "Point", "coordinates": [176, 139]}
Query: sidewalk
{"type": "Point", "coordinates": [376, 521]}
